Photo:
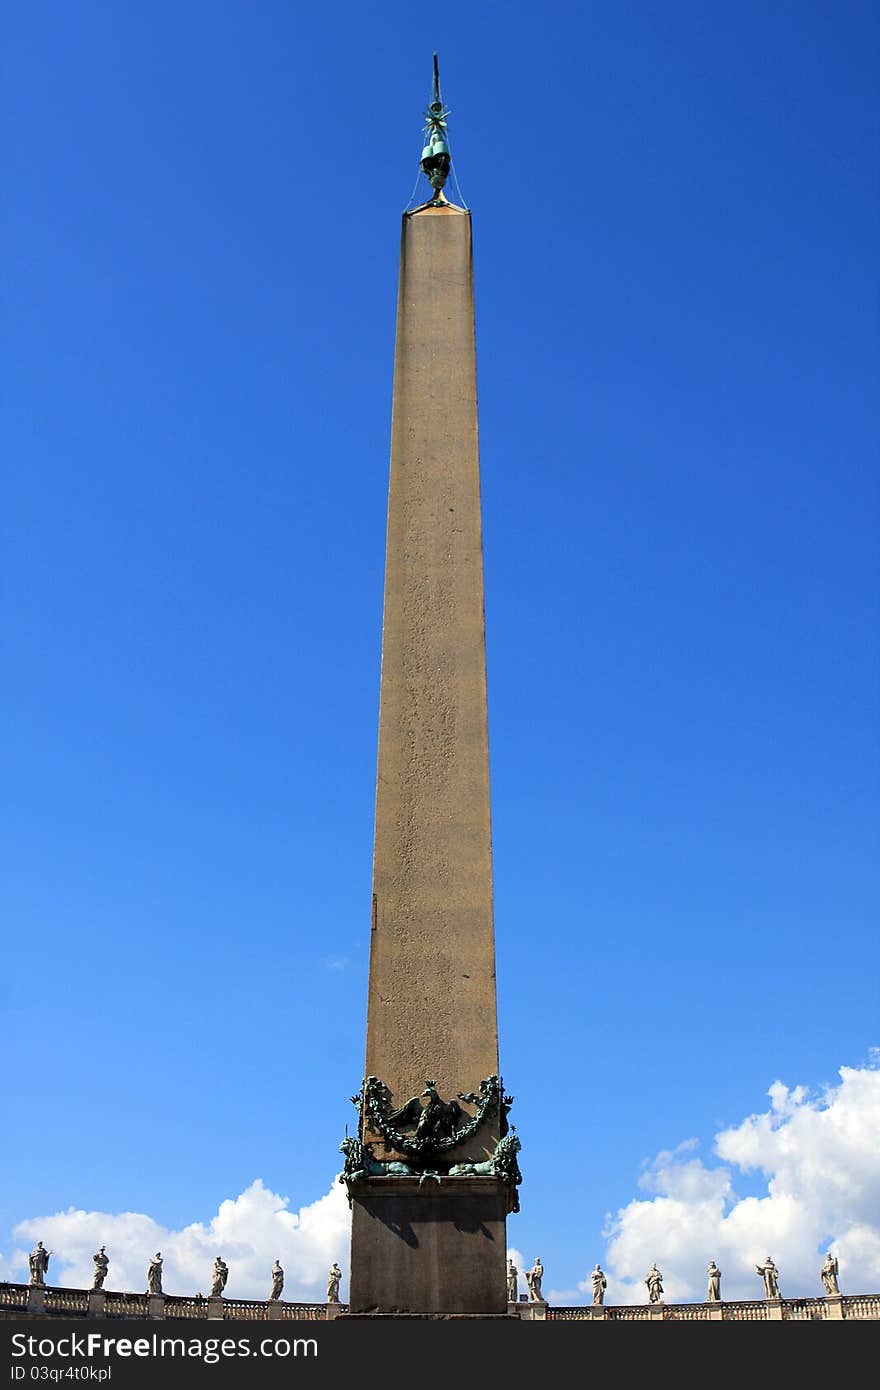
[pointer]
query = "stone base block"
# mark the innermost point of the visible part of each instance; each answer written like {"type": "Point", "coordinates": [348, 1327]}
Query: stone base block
{"type": "Point", "coordinates": [533, 1311]}
{"type": "Point", "coordinates": [439, 1248]}
{"type": "Point", "coordinates": [97, 1303]}
{"type": "Point", "coordinates": [36, 1299]}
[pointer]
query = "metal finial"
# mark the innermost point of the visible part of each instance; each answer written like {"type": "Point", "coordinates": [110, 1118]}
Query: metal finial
{"type": "Point", "coordinates": [435, 155]}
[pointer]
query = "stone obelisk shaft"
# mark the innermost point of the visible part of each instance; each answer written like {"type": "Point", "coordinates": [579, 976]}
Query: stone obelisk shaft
{"type": "Point", "coordinates": [432, 1009]}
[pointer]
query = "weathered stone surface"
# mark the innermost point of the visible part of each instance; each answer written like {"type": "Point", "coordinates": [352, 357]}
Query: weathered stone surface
{"type": "Point", "coordinates": [432, 1010]}
{"type": "Point", "coordinates": [438, 1248]}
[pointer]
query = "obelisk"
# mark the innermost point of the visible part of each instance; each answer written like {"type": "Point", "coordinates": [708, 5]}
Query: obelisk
{"type": "Point", "coordinates": [433, 1242]}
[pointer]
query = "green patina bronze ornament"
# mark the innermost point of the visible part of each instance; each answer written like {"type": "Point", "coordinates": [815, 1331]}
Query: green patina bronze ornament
{"type": "Point", "coordinates": [427, 1126]}
{"type": "Point", "coordinates": [438, 1125]}
{"type": "Point", "coordinates": [360, 1163]}
{"type": "Point", "coordinates": [436, 158]}
{"type": "Point", "coordinates": [501, 1164]}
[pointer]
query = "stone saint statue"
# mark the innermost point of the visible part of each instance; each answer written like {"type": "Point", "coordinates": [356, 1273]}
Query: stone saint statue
{"type": "Point", "coordinates": [770, 1275]}
{"type": "Point", "coordinates": [533, 1279]}
{"type": "Point", "coordinates": [221, 1274]}
{"type": "Point", "coordinates": [600, 1284]}
{"type": "Point", "coordinates": [713, 1293]}
{"type": "Point", "coordinates": [38, 1261]}
{"type": "Point", "coordinates": [829, 1272]}
{"type": "Point", "coordinates": [102, 1264]}
{"type": "Point", "coordinates": [154, 1274]}
{"type": "Point", "coordinates": [334, 1274]}
{"type": "Point", "coordinates": [277, 1281]}
{"type": "Point", "coordinates": [654, 1281]}
{"type": "Point", "coordinates": [512, 1276]}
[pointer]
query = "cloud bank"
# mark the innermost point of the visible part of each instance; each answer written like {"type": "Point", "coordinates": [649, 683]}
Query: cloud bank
{"type": "Point", "coordinates": [249, 1231]}
{"type": "Point", "coordinates": [819, 1157]}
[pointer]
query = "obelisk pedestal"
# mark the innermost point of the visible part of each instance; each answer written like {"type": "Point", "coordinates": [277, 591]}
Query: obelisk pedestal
{"type": "Point", "coordinates": [434, 1251]}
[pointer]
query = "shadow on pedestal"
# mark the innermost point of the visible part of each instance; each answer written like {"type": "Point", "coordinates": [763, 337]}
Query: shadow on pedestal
{"type": "Point", "coordinates": [434, 1248]}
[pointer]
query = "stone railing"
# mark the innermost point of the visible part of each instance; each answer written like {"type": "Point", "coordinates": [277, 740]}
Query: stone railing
{"type": "Point", "coordinates": [749, 1310]}
{"type": "Point", "coordinates": [244, 1310]}
{"type": "Point", "coordinates": [74, 1302]}
{"type": "Point", "coordinates": [688, 1312]}
{"type": "Point", "coordinates": [177, 1307]}
{"type": "Point", "coordinates": [13, 1296]}
{"type": "Point", "coordinates": [125, 1305]}
{"type": "Point", "coordinates": [804, 1309]}
{"type": "Point", "coordinates": [309, 1312]}
{"type": "Point", "coordinates": [23, 1300]}
{"type": "Point", "coordinates": [861, 1305]}
{"type": "Point", "coordinates": [28, 1300]}
{"type": "Point", "coordinates": [184, 1307]}
{"type": "Point", "coordinates": [852, 1306]}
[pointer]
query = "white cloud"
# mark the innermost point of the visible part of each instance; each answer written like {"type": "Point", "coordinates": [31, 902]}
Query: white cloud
{"type": "Point", "coordinates": [819, 1155]}
{"type": "Point", "coordinates": [11, 1266]}
{"type": "Point", "coordinates": [250, 1231]}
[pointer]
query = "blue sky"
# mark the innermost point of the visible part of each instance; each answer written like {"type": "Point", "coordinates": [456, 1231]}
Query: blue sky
{"type": "Point", "coordinates": [675, 222]}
